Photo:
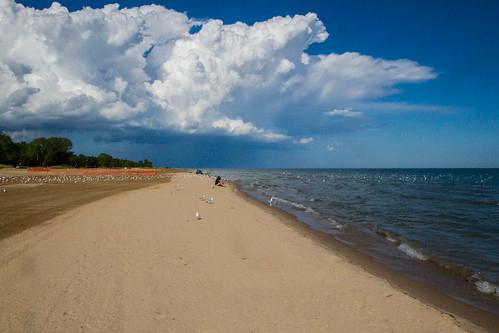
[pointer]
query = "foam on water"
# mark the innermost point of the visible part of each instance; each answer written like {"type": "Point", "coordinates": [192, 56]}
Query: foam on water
{"type": "Point", "coordinates": [335, 223]}
{"type": "Point", "coordinates": [411, 252]}
{"type": "Point", "coordinates": [487, 288]}
{"type": "Point", "coordinates": [391, 239]}
{"type": "Point", "coordinates": [295, 205]}
{"type": "Point", "coordinates": [484, 286]}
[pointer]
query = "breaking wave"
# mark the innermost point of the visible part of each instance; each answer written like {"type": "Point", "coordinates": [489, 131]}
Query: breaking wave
{"type": "Point", "coordinates": [412, 252]}
{"type": "Point", "coordinates": [274, 201]}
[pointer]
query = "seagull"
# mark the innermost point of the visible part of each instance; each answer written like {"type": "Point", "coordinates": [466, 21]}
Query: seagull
{"type": "Point", "coordinates": [4, 190]}
{"type": "Point", "coordinates": [270, 201]}
{"type": "Point", "coordinates": [198, 216]}
{"type": "Point", "coordinates": [212, 200]}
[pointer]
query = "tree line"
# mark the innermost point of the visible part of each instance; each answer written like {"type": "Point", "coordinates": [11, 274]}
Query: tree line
{"type": "Point", "coordinates": [57, 151]}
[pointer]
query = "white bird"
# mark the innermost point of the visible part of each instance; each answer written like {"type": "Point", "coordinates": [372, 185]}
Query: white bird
{"type": "Point", "coordinates": [270, 201]}
{"type": "Point", "coordinates": [198, 216]}
{"type": "Point", "coordinates": [212, 200]}
{"type": "Point", "coordinates": [4, 190]}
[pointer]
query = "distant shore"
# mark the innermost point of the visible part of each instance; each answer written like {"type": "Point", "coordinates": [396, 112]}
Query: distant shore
{"type": "Point", "coordinates": [141, 261]}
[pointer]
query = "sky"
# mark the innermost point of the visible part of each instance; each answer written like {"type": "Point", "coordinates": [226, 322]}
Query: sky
{"type": "Point", "coordinates": [246, 84]}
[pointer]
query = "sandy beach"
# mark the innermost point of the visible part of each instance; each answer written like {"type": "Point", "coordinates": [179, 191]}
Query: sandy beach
{"type": "Point", "coordinates": [140, 261]}
{"type": "Point", "coordinates": [32, 197]}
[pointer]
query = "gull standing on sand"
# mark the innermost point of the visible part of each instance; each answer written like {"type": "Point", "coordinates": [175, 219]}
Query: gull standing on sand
{"type": "Point", "coordinates": [198, 216]}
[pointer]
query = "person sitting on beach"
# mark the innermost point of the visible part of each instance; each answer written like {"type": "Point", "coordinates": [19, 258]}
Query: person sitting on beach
{"type": "Point", "coordinates": [219, 181]}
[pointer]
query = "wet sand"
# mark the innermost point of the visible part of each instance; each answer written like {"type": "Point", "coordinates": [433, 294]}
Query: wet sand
{"type": "Point", "coordinates": [140, 261]}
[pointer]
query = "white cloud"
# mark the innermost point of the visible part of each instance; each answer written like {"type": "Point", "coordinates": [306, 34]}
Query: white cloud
{"type": "Point", "coordinates": [140, 67]}
{"type": "Point", "coordinates": [237, 127]}
{"type": "Point", "coordinates": [340, 78]}
{"type": "Point", "coordinates": [330, 147]}
{"type": "Point", "coordinates": [285, 66]}
{"type": "Point", "coordinates": [304, 141]}
{"type": "Point", "coordinates": [343, 113]}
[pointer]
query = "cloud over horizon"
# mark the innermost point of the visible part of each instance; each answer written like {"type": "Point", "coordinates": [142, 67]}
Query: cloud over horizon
{"type": "Point", "coordinates": [141, 68]}
{"type": "Point", "coordinates": [343, 113]}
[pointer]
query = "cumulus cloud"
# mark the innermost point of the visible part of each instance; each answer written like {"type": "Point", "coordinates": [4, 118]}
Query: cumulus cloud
{"type": "Point", "coordinates": [343, 113]}
{"type": "Point", "coordinates": [141, 68]}
{"type": "Point", "coordinates": [304, 141]}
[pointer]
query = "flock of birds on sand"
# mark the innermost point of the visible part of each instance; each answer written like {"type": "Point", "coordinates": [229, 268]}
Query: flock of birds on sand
{"type": "Point", "coordinates": [209, 200]}
{"type": "Point", "coordinates": [75, 179]}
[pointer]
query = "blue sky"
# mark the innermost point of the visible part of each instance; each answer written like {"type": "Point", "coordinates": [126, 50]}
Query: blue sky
{"type": "Point", "coordinates": [444, 116]}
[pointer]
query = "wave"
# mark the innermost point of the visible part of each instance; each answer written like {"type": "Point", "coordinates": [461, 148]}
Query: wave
{"type": "Point", "coordinates": [484, 286]}
{"type": "Point", "coordinates": [386, 235]}
{"type": "Point", "coordinates": [392, 240]}
{"type": "Point", "coordinates": [335, 223]}
{"type": "Point", "coordinates": [274, 200]}
{"type": "Point", "coordinates": [480, 284]}
{"type": "Point", "coordinates": [412, 252]}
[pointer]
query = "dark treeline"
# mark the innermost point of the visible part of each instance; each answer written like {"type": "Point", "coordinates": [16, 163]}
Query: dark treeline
{"type": "Point", "coordinates": [56, 151]}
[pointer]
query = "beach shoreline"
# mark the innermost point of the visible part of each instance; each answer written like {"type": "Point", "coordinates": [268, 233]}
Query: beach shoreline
{"type": "Point", "coordinates": [467, 314]}
{"type": "Point", "coordinates": [298, 277]}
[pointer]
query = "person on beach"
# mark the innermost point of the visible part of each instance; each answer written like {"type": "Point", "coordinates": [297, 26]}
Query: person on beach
{"type": "Point", "coordinates": [219, 182]}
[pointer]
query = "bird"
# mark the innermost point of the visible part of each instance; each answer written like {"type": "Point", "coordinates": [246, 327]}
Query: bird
{"type": "Point", "coordinates": [198, 216]}
{"type": "Point", "coordinates": [212, 200]}
{"type": "Point", "coordinates": [270, 201]}
{"type": "Point", "coordinates": [4, 190]}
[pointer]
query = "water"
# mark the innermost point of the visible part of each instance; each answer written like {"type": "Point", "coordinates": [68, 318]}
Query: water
{"type": "Point", "coordinates": [419, 221]}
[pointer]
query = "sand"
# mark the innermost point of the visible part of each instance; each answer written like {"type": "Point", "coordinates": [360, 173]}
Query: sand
{"type": "Point", "coordinates": [140, 261]}
{"type": "Point", "coordinates": [34, 197]}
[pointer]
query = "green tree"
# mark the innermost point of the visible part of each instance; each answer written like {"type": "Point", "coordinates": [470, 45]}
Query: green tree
{"type": "Point", "coordinates": [36, 152]}
{"type": "Point", "coordinates": [104, 160]}
{"type": "Point", "coordinates": [57, 151]}
{"type": "Point", "coordinates": [22, 154]}
{"type": "Point", "coordinates": [8, 150]}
